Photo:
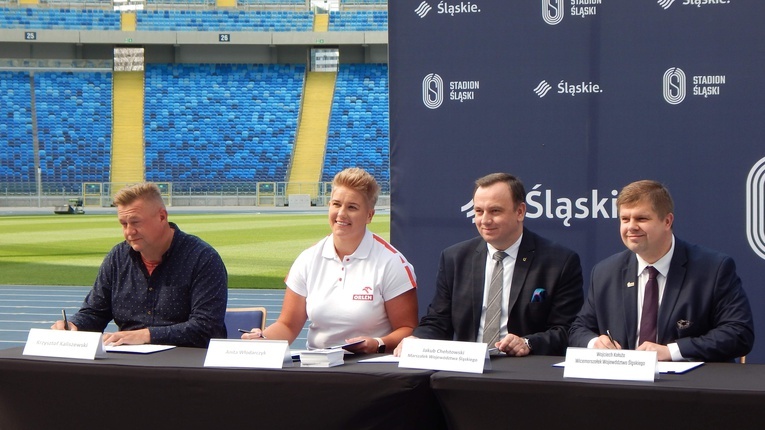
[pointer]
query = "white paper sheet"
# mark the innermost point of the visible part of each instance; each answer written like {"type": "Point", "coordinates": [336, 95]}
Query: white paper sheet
{"type": "Point", "coordinates": [137, 349]}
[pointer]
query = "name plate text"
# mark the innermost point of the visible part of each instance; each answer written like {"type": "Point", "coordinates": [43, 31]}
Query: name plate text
{"type": "Point", "coordinates": [86, 345]}
{"type": "Point", "coordinates": [255, 354]}
{"type": "Point", "coordinates": [616, 364]}
{"type": "Point", "coordinates": [443, 355]}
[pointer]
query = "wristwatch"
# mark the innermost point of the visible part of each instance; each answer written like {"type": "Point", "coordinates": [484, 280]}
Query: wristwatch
{"type": "Point", "coordinates": [528, 345]}
{"type": "Point", "coordinates": [380, 345]}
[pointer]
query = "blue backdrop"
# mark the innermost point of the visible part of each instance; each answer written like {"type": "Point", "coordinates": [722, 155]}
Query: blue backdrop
{"type": "Point", "coordinates": [579, 98]}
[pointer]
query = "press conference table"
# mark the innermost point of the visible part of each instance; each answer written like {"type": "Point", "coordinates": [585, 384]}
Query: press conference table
{"type": "Point", "coordinates": [526, 393]}
{"type": "Point", "coordinates": [171, 389]}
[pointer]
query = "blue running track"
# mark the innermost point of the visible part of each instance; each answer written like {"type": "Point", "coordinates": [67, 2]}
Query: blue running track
{"type": "Point", "coordinates": [23, 307]}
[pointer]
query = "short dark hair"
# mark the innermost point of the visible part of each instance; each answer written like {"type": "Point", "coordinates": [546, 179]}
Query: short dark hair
{"type": "Point", "coordinates": [515, 185]}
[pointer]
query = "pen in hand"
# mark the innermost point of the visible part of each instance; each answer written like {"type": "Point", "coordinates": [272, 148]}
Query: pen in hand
{"type": "Point", "coordinates": [66, 322]}
{"type": "Point", "coordinates": [241, 330]}
{"type": "Point", "coordinates": [613, 342]}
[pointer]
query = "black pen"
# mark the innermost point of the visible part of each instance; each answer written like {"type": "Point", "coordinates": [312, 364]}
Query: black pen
{"type": "Point", "coordinates": [66, 322]}
{"type": "Point", "coordinates": [613, 342]}
{"type": "Point", "coordinates": [241, 330]}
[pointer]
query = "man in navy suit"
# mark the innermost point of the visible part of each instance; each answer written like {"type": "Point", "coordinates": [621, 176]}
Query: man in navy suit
{"type": "Point", "coordinates": [703, 312]}
{"type": "Point", "coordinates": [542, 281]}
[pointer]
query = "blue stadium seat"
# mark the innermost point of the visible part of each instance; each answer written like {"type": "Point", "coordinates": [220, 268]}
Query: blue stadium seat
{"type": "Point", "coordinates": [74, 118]}
{"type": "Point", "coordinates": [223, 20]}
{"type": "Point", "coordinates": [225, 113]}
{"type": "Point", "coordinates": [59, 19]}
{"type": "Point", "coordinates": [358, 131]}
{"type": "Point", "coordinates": [359, 20]}
{"type": "Point", "coordinates": [228, 123]}
{"type": "Point", "coordinates": [16, 150]}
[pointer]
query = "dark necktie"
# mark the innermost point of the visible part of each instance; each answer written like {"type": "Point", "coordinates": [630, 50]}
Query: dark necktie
{"type": "Point", "coordinates": [650, 308]}
{"type": "Point", "coordinates": [494, 305]}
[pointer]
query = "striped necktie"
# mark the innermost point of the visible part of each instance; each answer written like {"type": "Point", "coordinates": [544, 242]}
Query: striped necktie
{"type": "Point", "coordinates": [494, 305]}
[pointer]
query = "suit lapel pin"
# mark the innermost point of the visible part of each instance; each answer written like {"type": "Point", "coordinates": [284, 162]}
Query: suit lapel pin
{"type": "Point", "coordinates": [630, 284]}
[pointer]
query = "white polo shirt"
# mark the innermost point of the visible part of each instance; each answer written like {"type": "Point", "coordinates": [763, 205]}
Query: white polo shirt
{"type": "Point", "coordinates": [345, 299]}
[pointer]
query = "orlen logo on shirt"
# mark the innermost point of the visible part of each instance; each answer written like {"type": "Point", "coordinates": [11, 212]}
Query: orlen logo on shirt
{"type": "Point", "coordinates": [368, 297]}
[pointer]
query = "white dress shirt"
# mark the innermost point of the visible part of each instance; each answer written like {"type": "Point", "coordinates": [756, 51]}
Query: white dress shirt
{"type": "Point", "coordinates": [508, 264]}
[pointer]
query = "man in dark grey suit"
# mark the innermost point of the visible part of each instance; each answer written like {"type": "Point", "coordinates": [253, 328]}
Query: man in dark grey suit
{"type": "Point", "coordinates": [702, 312]}
{"type": "Point", "coordinates": [542, 285]}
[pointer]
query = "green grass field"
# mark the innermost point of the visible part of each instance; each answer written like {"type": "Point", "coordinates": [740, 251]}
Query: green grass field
{"type": "Point", "coordinates": [258, 249]}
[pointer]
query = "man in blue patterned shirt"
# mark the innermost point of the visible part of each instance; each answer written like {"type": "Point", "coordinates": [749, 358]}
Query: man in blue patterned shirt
{"type": "Point", "coordinates": [160, 285]}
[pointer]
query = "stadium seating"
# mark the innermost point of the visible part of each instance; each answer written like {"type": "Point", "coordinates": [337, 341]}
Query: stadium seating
{"type": "Point", "coordinates": [179, 3]}
{"type": "Point", "coordinates": [95, 4]}
{"type": "Point", "coordinates": [346, 3]}
{"type": "Point", "coordinates": [220, 122]}
{"type": "Point", "coordinates": [225, 20]}
{"type": "Point", "coordinates": [203, 123]}
{"type": "Point", "coordinates": [16, 150]}
{"type": "Point", "coordinates": [74, 120]}
{"type": "Point", "coordinates": [358, 131]}
{"type": "Point", "coordinates": [59, 19]}
{"type": "Point", "coordinates": [272, 2]}
{"type": "Point", "coordinates": [74, 128]}
{"type": "Point", "coordinates": [362, 20]}
{"type": "Point", "coordinates": [184, 19]}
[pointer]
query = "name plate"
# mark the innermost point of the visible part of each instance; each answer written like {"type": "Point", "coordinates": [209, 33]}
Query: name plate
{"type": "Point", "coordinates": [255, 354]}
{"type": "Point", "coordinates": [443, 355]}
{"type": "Point", "coordinates": [86, 345]}
{"type": "Point", "coordinates": [617, 364]}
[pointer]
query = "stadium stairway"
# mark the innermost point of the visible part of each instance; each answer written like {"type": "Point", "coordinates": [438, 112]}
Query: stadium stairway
{"type": "Point", "coordinates": [312, 134]}
{"type": "Point", "coordinates": [128, 21]}
{"type": "Point", "coordinates": [127, 142]}
{"type": "Point", "coordinates": [321, 22]}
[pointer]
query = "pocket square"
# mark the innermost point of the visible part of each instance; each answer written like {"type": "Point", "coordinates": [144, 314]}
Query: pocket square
{"type": "Point", "coordinates": [539, 295]}
{"type": "Point", "coordinates": [683, 324]}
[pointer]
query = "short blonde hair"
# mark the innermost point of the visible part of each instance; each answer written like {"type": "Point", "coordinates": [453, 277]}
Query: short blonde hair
{"type": "Point", "coordinates": [360, 180]}
{"type": "Point", "coordinates": [147, 191]}
{"type": "Point", "coordinates": [652, 192]}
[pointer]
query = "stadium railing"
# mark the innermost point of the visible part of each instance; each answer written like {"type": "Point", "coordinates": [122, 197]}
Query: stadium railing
{"type": "Point", "coordinates": [29, 194]}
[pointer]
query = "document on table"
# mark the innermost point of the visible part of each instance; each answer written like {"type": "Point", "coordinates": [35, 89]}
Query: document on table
{"type": "Point", "coordinates": [390, 358]}
{"type": "Point", "coordinates": [296, 352]}
{"type": "Point", "coordinates": [676, 367]}
{"type": "Point", "coordinates": [137, 349]}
